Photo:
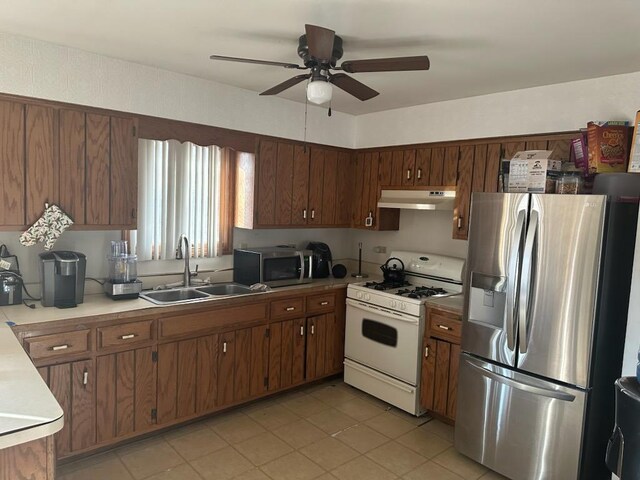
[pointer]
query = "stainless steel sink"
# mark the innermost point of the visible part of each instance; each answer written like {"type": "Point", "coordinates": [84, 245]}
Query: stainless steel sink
{"type": "Point", "coordinates": [178, 295]}
{"type": "Point", "coordinates": [225, 289]}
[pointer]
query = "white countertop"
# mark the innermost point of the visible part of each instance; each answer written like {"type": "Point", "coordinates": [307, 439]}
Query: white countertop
{"type": "Point", "coordinates": [453, 302]}
{"type": "Point", "coordinates": [28, 410]}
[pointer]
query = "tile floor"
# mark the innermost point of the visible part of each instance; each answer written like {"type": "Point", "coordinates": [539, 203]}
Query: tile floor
{"type": "Point", "coordinates": [328, 431]}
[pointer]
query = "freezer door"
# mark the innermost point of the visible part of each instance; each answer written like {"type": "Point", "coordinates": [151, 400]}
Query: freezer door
{"type": "Point", "coordinates": [496, 242]}
{"type": "Point", "coordinates": [559, 284]}
{"type": "Point", "coordinates": [520, 426]}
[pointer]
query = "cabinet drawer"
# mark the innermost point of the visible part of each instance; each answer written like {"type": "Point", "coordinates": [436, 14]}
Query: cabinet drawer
{"type": "Point", "coordinates": [57, 344]}
{"type": "Point", "coordinates": [321, 303]}
{"type": "Point", "coordinates": [288, 308]}
{"type": "Point", "coordinates": [125, 334]}
{"type": "Point", "coordinates": [445, 325]}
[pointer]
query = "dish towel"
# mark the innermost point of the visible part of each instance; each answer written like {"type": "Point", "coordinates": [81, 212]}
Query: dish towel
{"type": "Point", "coordinates": [47, 228]}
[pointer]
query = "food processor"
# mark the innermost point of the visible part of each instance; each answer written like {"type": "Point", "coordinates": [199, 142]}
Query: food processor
{"type": "Point", "coordinates": [123, 280]}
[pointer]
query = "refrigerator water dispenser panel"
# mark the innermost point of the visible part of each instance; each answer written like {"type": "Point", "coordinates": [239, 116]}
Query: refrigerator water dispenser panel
{"type": "Point", "coordinates": [487, 300]}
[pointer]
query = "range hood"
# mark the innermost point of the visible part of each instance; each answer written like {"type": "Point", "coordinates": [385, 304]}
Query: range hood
{"type": "Point", "coordinates": [417, 199]}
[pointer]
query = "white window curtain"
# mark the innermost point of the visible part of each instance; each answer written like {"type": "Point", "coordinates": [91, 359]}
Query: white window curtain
{"type": "Point", "coordinates": [178, 193]}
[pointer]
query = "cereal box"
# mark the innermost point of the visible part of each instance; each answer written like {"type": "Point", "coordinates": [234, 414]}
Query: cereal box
{"type": "Point", "coordinates": [608, 146]}
{"type": "Point", "coordinates": [532, 171]}
{"type": "Point", "coordinates": [634, 159]}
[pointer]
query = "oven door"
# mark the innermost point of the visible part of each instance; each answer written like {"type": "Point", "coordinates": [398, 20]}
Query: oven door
{"type": "Point", "coordinates": [383, 340]}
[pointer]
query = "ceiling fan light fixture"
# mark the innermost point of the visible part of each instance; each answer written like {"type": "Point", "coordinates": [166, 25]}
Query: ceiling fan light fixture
{"type": "Point", "coordinates": [319, 91]}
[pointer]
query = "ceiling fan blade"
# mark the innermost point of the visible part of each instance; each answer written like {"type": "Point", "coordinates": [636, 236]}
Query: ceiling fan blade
{"type": "Point", "coordinates": [398, 64]}
{"type": "Point", "coordinates": [281, 87]}
{"type": "Point", "coordinates": [353, 86]}
{"type": "Point", "coordinates": [320, 42]}
{"type": "Point", "coordinates": [258, 62]}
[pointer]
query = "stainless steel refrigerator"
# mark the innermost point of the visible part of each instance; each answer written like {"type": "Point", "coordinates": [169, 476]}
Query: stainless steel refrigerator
{"type": "Point", "coordinates": [547, 288]}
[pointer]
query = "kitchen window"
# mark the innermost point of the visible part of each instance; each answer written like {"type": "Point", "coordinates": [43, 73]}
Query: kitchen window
{"type": "Point", "coordinates": [183, 188]}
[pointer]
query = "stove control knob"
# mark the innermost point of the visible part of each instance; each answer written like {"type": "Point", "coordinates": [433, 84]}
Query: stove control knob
{"type": "Point", "coordinates": [403, 306]}
{"type": "Point", "coordinates": [367, 297]}
{"type": "Point", "coordinates": [393, 304]}
{"type": "Point", "coordinates": [359, 295]}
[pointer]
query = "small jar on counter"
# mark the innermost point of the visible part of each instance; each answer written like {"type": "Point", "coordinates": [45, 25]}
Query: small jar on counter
{"type": "Point", "coordinates": [569, 183]}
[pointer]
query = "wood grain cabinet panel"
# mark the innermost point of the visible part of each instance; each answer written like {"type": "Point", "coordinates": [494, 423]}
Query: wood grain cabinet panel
{"type": "Point", "coordinates": [344, 189]}
{"type": "Point", "coordinates": [242, 367]}
{"type": "Point", "coordinates": [266, 183]}
{"type": "Point", "coordinates": [300, 194]}
{"type": "Point", "coordinates": [463, 192]}
{"type": "Point", "coordinates": [72, 164]}
{"type": "Point", "coordinates": [436, 167]}
{"type": "Point", "coordinates": [226, 368]}
{"type": "Point", "coordinates": [33, 460]}
{"type": "Point", "coordinates": [423, 166]}
{"type": "Point", "coordinates": [98, 165]}
{"type": "Point", "coordinates": [330, 201]}
{"type": "Point", "coordinates": [284, 185]}
{"type": "Point", "coordinates": [427, 382]}
{"type": "Point", "coordinates": [408, 167]}
{"type": "Point", "coordinates": [12, 163]}
{"type": "Point", "coordinates": [316, 186]}
{"type": "Point", "coordinates": [207, 374]}
{"type": "Point", "coordinates": [259, 362]}
{"type": "Point", "coordinates": [124, 172]}
{"type": "Point", "coordinates": [41, 160]}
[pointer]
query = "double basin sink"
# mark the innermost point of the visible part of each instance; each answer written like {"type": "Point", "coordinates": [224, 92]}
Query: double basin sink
{"type": "Point", "coordinates": [191, 294]}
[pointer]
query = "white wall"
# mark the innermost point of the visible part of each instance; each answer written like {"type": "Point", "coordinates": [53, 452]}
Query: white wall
{"type": "Point", "coordinates": [552, 108]}
{"type": "Point", "coordinates": [43, 70]}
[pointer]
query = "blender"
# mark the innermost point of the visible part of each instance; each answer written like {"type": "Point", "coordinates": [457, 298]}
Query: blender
{"type": "Point", "coordinates": [123, 273]}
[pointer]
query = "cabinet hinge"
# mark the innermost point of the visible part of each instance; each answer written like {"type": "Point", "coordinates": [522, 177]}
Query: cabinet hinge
{"type": "Point", "coordinates": [266, 382]}
{"type": "Point", "coordinates": [154, 414]}
{"type": "Point", "coordinates": [133, 131]}
{"type": "Point", "coordinates": [154, 356]}
{"type": "Point", "coordinates": [267, 333]}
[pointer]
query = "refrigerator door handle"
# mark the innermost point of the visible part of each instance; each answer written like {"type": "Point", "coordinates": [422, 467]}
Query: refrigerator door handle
{"type": "Point", "coordinates": [525, 282]}
{"type": "Point", "coordinates": [519, 384]}
{"type": "Point", "coordinates": [512, 291]}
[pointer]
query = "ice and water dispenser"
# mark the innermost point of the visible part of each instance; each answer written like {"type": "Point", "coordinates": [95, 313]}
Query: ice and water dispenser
{"type": "Point", "coordinates": [487, 299]}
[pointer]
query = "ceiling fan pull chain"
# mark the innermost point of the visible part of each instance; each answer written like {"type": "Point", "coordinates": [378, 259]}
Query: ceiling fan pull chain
{"type": "Point", "coordinates": [306, 105]}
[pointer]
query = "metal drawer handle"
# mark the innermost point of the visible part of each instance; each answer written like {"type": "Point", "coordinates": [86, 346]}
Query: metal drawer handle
{"type": "Point", "coordinates": [224, 347]}
{"type": "Point", "coordinates": [324, 303]}
{"type": "Point", "coordinates": [304, 213]}
{"type": "Point", "coordinates": [313, 329]}
{"type": "Point", "coordinates": [459, 222]}
{"type": "Point", "coordinates": [59, 347]}
{"type": "Point", "coordinates": [426, 352]}
{"type": "Point", "coordinates": [444, 327]}
{"type": "Point", "coordinates": [290, 309]}
{"type": "Point", "coordinates": [419, 173]}
{"type": "Point", "coordinates": [313, 213]}
{"type": "Point", "coordinates": [85, 377]}
{"type": "Point", "coordinates": [127, 336]}
{"type": "Point", "coordinates": [302, 331]}
{"type": "Point", "coordinates": [408, 174]}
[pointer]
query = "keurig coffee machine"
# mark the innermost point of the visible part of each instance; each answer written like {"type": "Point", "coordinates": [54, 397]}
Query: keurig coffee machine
{"type": "Point", "coordinates": [62, 278]}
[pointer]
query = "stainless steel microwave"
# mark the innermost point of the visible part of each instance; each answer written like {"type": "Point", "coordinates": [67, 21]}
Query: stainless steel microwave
{"type": "Point", "coordinates": [273, 266]}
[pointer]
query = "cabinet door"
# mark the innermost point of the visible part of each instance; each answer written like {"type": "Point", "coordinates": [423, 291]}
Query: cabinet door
{"type": "Point", "coordinates": [316, 186]}
{"type": "Point", "coordinates": [344, 189]}
{"type": "Point", "coordinates": [492, 167]}
{"type": "Point", "coordinates": [423, 166]}
{"type": "Point", "coordinates": [452, 394]}
{"type": "Point", "coordinates": [124, 172]}
{"type": "Point", "coordinates": [126, 386]}
{"type": "Point", "coordinates": [41, 160]}
{"type": "Point", "coordinates": [242, 366]}
{"type": "Point", "coordinates": [408, 167]}
{"type": "Point", "coordinates": [330, 200]}
{"type": "Point", "coordinates": [226, 368]}
{"type": "Point", "coordinates": [72, 384]}
{"type": "Point", "coordinates": [463, 192]}
{"type": "Point", "coordinates": [441, 380]}
{"type": "Point", "coordinates": [316, 347]}
{"type": "Point", "coordinates": [72, 164]}
{"type": "Point", "coordinates": [284, 185]}
{"type": "Point", "coordinates": [259, 370]}
{"type": "Point", "coordinates": [267, 163]}
{"type": "Point", "coordinates": [427, 379]}
{"type": "Point", "coordinates": [98, 161]}
{"type": "Point", "coordinates": [358, 190]}
{"type": "Point", "coordinates": [436, 167]}
{"type": "Point", "coordinates": [300, 214]}
{"type": "Point", "coordinates": [12, 164]}
{"type": "Point", "coordinates": [450, 166]}
{"type": "Point", "coordinates": [207, 374]}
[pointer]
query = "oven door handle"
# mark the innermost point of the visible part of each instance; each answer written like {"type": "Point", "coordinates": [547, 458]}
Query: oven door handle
{"type": "Point", "coordinates": [383, 311]}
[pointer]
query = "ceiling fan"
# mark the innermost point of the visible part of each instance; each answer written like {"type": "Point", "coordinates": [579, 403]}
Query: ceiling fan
{"type": "Point", "coordinates": [320, 49]}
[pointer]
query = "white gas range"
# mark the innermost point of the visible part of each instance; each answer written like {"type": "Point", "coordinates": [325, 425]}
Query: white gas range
{"type": "Point", "coordinates": [385, 324]}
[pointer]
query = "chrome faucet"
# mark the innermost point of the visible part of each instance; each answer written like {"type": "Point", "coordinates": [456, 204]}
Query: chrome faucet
{"type": "Point", "coordinates": [183, 251]}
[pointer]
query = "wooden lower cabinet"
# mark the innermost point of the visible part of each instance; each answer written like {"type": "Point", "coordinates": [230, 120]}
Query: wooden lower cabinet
{"type": "Point", "coordinates": [126, 385]}
{"type": "Point", "coordinates": [72, 384]}
{"type": "Point", "coordinates": [34, 460]}
{"type": "Point", "coordinates": [440, 361]}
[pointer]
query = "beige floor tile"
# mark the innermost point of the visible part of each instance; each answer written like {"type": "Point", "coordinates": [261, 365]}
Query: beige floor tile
{"type": "Point", "coordinates": [145, 458]}
{"type": "Point", "coordinates": [187, 429]}
{"type": "Point", "coordinates": [238, 428]}
{"type": "Point", "coordinates": [305, 406]}
{"type": "Point", "coordinates": [361, 438]}
{"type": "Point", "coordinates": [181, 472]}
{"type": "Point", "coordinates": [332, 421]}
{"type": "Point", "coordinates": [329, 453]}
{"type": "Point", "coordinates": [362, 468]}
{"type": "Point", "coordinates": [222, 418]}
{"type": "Point", "coordinates": [425, 443]}
{"type": "Point", "coordinates": [300, 433]}
{"type": "Point", "coordinates": [461, 465]}
{"type": "Point", "coordinates": [100, 467]}
{"type": "Point", "coordinates": [197, 443]}
{"type": "Point", "coordinates": [326, 476]}
{"type": "Point", "coordinates": [359, 408]}
{"type": "Point", "coordinates": [293, 466]}
{"type": "Point", "coordinates": [491, 475]}
{"type": "Point", "coordinates": [396, 458]}
{"type": "Point", "coordinates": [412, 419]}
{"type": "Point", "coordinates": [332, 395]}
{"type": "Point", "coordinates": [431, 471]}
{"type": "Point", "coordinates": [390, 425]}
{"type": "Point", "coordinates": [273, 416]}
{"type": "Point", "coordinates": [255, 474]}
{"type": "Point", "coordinates": [263, 448]}
{"type": "Point", "coordinates": [221, 465]}
{"type": "Point", "coordinates": [439, 428]}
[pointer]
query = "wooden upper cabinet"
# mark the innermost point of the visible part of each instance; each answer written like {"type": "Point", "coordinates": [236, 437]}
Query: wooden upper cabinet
{"type": "Point", "coordinates": [344, 189]}
{"type": "Point", "coordinates": [12, 163]}
{"type": "Point", "coordinates": [316, 187]}
{"type": "Point", "coordinates": [97, 166]}
{"type": "Point", "coordinates": [408, 167]}
{"type": "Point", "coordinates": [124, 172]}
{"type": "Point", "coordinates": [423, 166]}
{"type": "Point", "coordinates": [463, 192]}
{"type": "Point", "coordinates": [265, 199]}
{"type": "Point", "coordinates": [300, 186]}
{"type": "Point", "coordinates": [72, 164]}
{"type": "Point", "coordinates": [41, 160]}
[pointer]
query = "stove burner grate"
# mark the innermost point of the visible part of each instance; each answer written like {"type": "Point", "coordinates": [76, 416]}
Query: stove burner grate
{"type": "Point", "coordinates": [421, 292]}
{"type": "Point", "coordinates": [386, 285]}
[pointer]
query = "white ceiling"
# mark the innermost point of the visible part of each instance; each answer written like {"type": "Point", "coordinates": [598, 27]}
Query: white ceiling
{"type": "Point", "coordinates": [475, 47]}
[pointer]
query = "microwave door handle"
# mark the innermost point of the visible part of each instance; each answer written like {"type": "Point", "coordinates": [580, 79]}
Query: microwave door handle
{"type": "Point", "coordinates": [525, 282]}
{"type": "Point", "coordinates": [301, 255]}
{"type": "Point", "coordinates": [512, 291]}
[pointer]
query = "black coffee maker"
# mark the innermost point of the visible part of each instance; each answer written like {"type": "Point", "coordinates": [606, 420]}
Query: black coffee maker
{"type": "Point", "coordinates": [321, 259]}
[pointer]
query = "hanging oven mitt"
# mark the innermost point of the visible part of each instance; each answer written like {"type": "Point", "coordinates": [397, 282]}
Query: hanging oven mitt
{"type": "Point", "coordinates": [47, 228]}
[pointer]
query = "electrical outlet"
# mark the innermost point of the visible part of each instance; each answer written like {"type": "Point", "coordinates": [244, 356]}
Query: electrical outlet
{"type": "Point", "coordinates": [380, 249]}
